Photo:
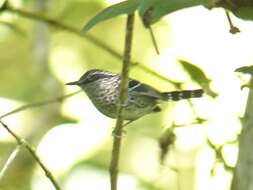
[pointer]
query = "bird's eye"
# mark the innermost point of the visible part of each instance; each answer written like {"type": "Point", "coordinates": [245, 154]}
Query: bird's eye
{"type": "Point", "coordinates": [95, 77]}
{"type": "Point", "coordinates": [92, 78]}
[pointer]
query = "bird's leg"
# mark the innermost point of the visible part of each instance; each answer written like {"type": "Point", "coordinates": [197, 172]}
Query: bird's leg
{"type": "Point", "coordinates": [123, 131]}
{"type": "Point", "coordinates": [124, 104]}
{"type": "Point", "coordinates": [118, 136]}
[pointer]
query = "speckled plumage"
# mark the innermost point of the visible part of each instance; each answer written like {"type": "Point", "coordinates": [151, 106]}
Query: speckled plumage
{"type": "Point", "coordinates": [102, 87]}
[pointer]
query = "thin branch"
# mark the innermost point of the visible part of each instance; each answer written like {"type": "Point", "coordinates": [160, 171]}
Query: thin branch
{"type": "Point", "coordinates": [37, 104]}
{"type": "Point", "coordinates": [196, 122]}
{"type": "Point", "coordinates": [54, 23]}
{"type": "Point", "coordinates": [153, 40]}
{"type": "Point", "coordinates": [32, 151]}
{"type": "Point", "coordinates": [219, 156]}
{"type": "Point", "coordinates": [15, 29]}
{"type": "Point", "coordinates": [156, 74]}
{"type": "Point", "coordinates": [233, 29]}
{"type": "Point", "coordinates": [123, 97]}
{"type": "Point", "coordinates": [9, 161]}
{"type": "Point", "coordinates": [88, 37]}
{"type": "Point", "coordinates": [198, 119]}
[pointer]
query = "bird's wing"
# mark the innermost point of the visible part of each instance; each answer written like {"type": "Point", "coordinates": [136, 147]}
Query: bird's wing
{"type": "Point", "coordinates": [137, 88]}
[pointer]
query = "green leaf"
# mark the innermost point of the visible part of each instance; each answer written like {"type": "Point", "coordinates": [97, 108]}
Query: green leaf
{"type": "Point", "coordinates": [125, 7]}
{"type": "Point", "coordinates": [198, 76]}
{"type": "Point", "coordinates": [194, 72]}
{"type": "Point", "coordinates": [162, 7]}
{"type": "Point", "coordinates": [245, 70]}
{"type": "Point", "coordinates": [245, 13]}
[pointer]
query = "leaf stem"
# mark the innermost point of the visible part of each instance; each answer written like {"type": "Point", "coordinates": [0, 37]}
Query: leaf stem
{"type": "Point", "coordinates": [233, 29]}
{"type": "Point", "coordinates": [153, 40]}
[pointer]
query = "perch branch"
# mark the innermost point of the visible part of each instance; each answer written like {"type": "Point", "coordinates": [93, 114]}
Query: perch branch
{"type": "Point", "coordinates": [123, 97]}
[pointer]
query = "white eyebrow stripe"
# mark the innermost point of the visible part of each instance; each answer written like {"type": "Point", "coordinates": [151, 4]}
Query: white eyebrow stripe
{"type": "Point", "coordinates": [132, 88]}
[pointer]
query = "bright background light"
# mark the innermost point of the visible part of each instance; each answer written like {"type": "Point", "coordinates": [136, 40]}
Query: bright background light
{"type": "Point", "coordinates": [197, 35]}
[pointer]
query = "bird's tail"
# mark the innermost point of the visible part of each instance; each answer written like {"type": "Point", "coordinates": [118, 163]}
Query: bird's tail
{"type": "Point", "coordinates": [184, 94]}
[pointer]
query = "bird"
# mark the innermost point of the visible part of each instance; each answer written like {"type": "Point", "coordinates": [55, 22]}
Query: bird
{"type": "Point", "coordinates": [103, 89]}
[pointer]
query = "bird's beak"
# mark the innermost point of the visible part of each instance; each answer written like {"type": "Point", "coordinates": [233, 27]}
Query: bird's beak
{"type": "Point", "coordinates": [72, 83]}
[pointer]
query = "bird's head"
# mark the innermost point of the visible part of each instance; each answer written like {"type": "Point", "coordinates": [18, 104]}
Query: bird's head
{"type": "Point", "coordinates": [92, 76]}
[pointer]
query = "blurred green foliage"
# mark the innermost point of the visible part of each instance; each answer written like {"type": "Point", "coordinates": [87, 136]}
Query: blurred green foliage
{"type": "Point", "coordinates": [156, 9]}
{"type": "Point", "coordinates": [198, 76]}
{"type": "Point", "coordinates": [33, 66]}
{"type": "Point", "coordinates": [37, 60]}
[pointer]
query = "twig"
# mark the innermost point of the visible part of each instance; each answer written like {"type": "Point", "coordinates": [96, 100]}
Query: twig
{"type": "Point", "coordinates": [9, 161]}
{"type": "Point", "coordinates": [13, 28]}
{"type": "Point", "coordinates": [54, 23]}
{"type": "Point", "coordinates": [32, 151]}
{"type": "Point", "coordinates": [196, 122]}
{"type": "Point", "coordinates": [219, 155]}
{"type": "Point", "coordinates": [156, 74]}
{"type": "Point", "coordinates": [88, 37]}
{"type": "Point", "coordinates": [37, 104]}
{"type": "Point", "coordinates": [153, 40]}
{"type": "Point", "coordinates": [233, 29]}
{"type": "Point", "coordinates": [147, 19]}
{"type": "Point", "coordinates": [198, 119]}
{"type": "Point", "coordinates": [123, 96]}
